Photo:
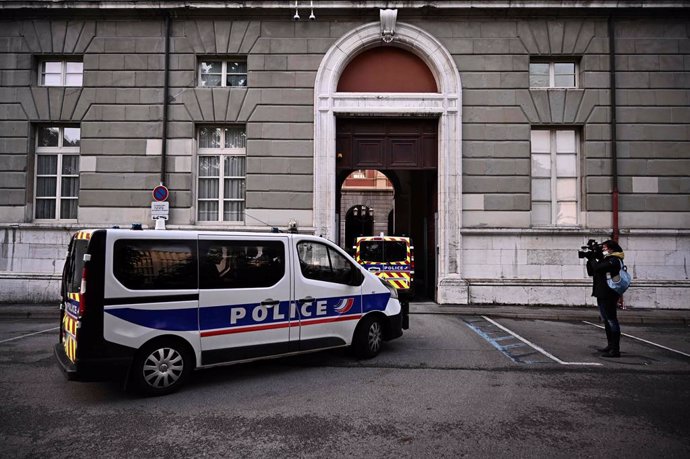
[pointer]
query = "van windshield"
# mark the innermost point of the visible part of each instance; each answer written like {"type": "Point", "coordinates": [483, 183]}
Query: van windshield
{"type": "Point", "coordinates": [383, 251]}
{"type": "Point", "coordinates": [75, 264]}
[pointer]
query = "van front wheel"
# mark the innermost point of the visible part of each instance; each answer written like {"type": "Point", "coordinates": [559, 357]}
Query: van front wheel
{"type": "Point", "coordinates": [161, 367]}
{"type": "Point", "coordinates": [368, 338]}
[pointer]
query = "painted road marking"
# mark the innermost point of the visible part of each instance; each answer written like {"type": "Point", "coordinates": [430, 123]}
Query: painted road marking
{"type": "Point", "coordinates": [643, 340]}
{"type": "Point", "coordinates": [30, 334]}
{"type": "Point", "coordinates": [538, 349]}
{"type": "Point", "coordinates": [509, 349]}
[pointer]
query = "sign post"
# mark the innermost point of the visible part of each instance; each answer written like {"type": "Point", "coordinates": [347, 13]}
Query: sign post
{"type": "Point", "coordinates": [160, 208]}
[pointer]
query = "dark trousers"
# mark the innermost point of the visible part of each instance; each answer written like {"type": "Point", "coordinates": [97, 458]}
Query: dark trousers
{"type": "Point", "coordinates": [609, 314]}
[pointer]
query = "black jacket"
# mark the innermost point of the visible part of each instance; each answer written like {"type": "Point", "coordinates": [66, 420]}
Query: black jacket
{"type": "Point", "coordinates": [598, 269]}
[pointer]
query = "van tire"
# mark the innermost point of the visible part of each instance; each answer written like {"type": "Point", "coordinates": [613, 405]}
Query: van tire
{"type": "Point", "coordinates": [368, 337]}
{"type": "Point", "coordinates": [161, 367]}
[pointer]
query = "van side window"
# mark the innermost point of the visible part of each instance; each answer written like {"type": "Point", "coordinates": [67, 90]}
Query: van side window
{"type": "Point", "coordinates": [147, 264]}
{"type": "Point", "coordinates": [240, 264]}
{"type": "Point", "coordinates": [320, 262]}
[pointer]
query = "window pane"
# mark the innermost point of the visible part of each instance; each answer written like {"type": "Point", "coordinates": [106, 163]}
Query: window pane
{"type": "Point", "coordinates": [71, 137]}
{"type": "Point", "coordinates": [46, 187]}
{"type": "Point", "coordinates": [70, 187]}
{"type": "Point", "coordinates": [156, 265]}
{"type": "Point", "coordinates": [237, 67]}
{"type": "Point", "coordinates": [74, 79]}
{"type": "Point", "coordinates": [51, 79]}
{"type": "Point", "coordinates": [564, 68]}
{"type": "Point", "coordinates": [208, 166]}
{"type": "Point", "coordinates": [234, 188]}
{"type": "Point", "coordinates": [46, 165]}
{"type": "Point", "coordinates": [75, 67]}
{"type": "Point", "coordinates": [233, 211]}
{"type": "Point", "coordinates": [235, 166]}
{"type": "Point", "coordinates": [566, 213]}
{"type": "Point", "coordinates": [541, 165]}
{"type": "Point", "coordinates": [541, 213]}
{"type": "Point", "coordinates": [45, 208]}
{"type": "Point", "coordinates": [210, 80]}
{"type": "Point", "coordinates": [314, 261]}
{"type": "Point", "coordinates": [208, 211]}
{"type": "Point", "coordinates": [564, 81]}
{"type": "Point", "coordinates": [541, 141]}
{"type": "Point", "coordinates": [565, 142]}
{"type": "Point", "coordinates": [236, 80]}
{"type": "Point", "coordinates": [539, 75]}
{"type": "Point", "coordinates": [208, 188]}
{"type": "Point", "coordinates": [235, 138]}
{"type": "Point", "coordinates": [68, 209]}
{"type": "Point", "coordinates": [566, 189]}
{"type": "Point", "coordinates": [541, 190]}
{"type": "Point", "coordinates": [209, 138]}
{"type": "Point", "coordinates": [240, 264]}
{"type": "Point", "coordinates": [211, 67]}
{"type": "Point", "coordinates": [52, 67]}
{"type": "Point", "coordinates": [48, 137]}
{"type": "Point", "coordinates": [566, 165]}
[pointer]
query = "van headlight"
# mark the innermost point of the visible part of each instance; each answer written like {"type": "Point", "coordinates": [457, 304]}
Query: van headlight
{"type": "Point", "coordinates": [393, 290]}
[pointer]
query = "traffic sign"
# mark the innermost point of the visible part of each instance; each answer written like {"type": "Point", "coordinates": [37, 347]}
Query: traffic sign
{"type": "Point", "coordinates": [161, 193]}
{"type": "Point", "coordinates": [160, 210]}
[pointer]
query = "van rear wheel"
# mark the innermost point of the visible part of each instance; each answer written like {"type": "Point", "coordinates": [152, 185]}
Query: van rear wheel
{"type": "Point", "coordinates": [161, 367]}
{"type": "Point", "coordinates": [368, 338]}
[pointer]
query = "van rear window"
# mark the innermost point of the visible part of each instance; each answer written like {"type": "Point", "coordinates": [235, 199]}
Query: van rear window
{"type": "Point", "coordinates": [75, 264]}
{"type": "Point", "coordinates": [146, 264]}
{"type": "Point", "coordinates": [383, 251]}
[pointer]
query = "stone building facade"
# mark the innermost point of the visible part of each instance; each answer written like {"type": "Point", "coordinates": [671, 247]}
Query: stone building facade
{"type": "Point", "coordinates": [236, 108]}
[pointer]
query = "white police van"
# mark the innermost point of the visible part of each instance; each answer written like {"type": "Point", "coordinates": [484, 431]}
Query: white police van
{"type": "Point", "coordinates": [162, 303]}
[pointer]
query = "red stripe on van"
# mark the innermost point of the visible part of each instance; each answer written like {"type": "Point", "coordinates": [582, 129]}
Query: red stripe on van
{"type": "Point", "coordinates": [231, 331]}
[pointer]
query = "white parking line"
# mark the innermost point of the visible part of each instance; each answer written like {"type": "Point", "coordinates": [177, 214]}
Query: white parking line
{"type": "Point", "coordinates": [643, 340]}
{"type": "Point", "coordinates": [538, 349]}
{"type": "Point", "coordinates": [30, 334]}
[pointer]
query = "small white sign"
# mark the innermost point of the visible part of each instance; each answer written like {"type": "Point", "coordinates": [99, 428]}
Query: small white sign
{"type": "Point", "coordinates": [160, 210]}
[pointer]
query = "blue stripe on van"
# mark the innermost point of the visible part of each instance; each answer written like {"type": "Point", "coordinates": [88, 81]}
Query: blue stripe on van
{"type": "Point", "coordinates": [216, 317]}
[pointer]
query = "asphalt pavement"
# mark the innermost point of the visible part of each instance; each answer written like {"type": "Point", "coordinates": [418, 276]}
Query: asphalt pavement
{"type": "Point", "coordinates": [557, 313]}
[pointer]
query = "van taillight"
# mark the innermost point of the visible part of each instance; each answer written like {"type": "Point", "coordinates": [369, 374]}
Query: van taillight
{"type": "Point", "coordinates": [82, 292]}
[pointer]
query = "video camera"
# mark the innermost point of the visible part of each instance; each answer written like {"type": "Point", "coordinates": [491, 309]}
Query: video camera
{"type": "Point", "coordinates": [592, 250]}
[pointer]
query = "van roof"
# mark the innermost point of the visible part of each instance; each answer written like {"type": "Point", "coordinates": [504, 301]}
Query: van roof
{"type": "Point", "coordinates": [172, 234]}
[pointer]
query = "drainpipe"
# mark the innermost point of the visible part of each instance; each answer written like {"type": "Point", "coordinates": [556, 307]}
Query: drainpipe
{"type": "Point", "coordinates": [166, 97]}
{"type": "Point", "coordinates": [614, 153]}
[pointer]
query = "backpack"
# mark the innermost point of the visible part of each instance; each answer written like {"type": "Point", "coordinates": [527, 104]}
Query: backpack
{"type": "Point", "coordinates": [621, 282]}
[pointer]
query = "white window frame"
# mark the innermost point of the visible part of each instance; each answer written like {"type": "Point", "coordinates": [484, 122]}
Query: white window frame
{"type": "Point", "coordinates": [552, 74]}
{"type": "Point", "coordinates": [63, 72]}
{"type": "Point", "coordinates": [60, 151]}
{"type": "Point", "coordinates": [224, 72]}
{"type": "Point", "coordinates": [553, 179]}
{"type": "Point", "coordinates": [221, 153]}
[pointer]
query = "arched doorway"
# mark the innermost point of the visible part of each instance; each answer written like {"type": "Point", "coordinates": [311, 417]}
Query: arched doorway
{"type": "Point", "coordinates": [445, 105]}
{"type": "Point", "coordinates": [359, 221]}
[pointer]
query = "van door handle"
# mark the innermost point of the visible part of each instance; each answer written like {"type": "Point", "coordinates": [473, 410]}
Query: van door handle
{"type": "Point", "coordinates": [374, 270]}
{"type": "Point", "coordinates": [269, 302]}
{"type": "Point", "coordinates": [305, 300]}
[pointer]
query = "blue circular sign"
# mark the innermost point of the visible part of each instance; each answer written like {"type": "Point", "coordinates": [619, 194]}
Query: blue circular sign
{"type": "Point", "coordinates": [160, 193]}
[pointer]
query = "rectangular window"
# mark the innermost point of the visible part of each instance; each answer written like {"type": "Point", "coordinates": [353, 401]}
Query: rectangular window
{"type": "Point", "coordinates": [223, 73]}
{"type": "Point", "coordinates": [56, 189]}
{"type": "Point", "coordinates": [552, 74]}
{"type": "Point", "coordinates": [554, 178]}
{"type": "Point", "coordinates": [240, 264]}
{"type": "Point", "coordinates": [155, 264]}
{"type": "Point", "coordinates": [222, 174]}
{"type": "Point", "coordinates": [60, 73]}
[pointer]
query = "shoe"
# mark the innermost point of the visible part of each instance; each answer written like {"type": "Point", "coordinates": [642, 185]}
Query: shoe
{"type": "Point", "coordinates": [604, 349]}
{"type": "Point", "coordinates": [611, 354]}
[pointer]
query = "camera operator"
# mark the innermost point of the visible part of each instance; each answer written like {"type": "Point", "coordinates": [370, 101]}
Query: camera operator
{"type": "Point", "coordinates": [599, 262]}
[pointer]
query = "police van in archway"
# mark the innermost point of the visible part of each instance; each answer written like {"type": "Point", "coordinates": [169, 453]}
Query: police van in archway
{"type": "Point", "coordinates": [159, 304]}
